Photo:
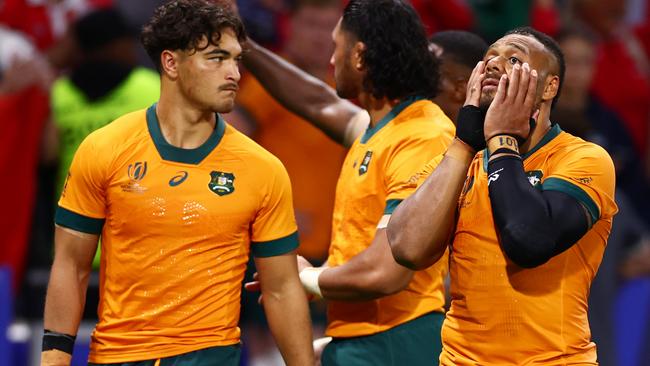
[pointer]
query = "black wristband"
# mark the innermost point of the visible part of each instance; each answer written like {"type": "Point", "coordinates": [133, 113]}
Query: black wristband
{"type": "Point", "coordinates": [59, 341]}
{"type": "Point", "coordinates": [469, 127]}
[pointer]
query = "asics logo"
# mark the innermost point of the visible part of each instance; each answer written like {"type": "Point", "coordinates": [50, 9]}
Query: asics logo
{"type": "Point", "coordinates": [178, 178]}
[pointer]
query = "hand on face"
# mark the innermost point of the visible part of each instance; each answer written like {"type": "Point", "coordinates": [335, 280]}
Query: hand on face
{"type": "Point", "coordinates": [474, 85]}
{"type": "Point", "coordinates": [512, 107]}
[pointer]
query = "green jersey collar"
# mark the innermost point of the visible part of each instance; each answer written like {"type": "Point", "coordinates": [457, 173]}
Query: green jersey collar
{"type": "Point", "coordinates": [394, 112]}
{"type": "Point", "coordinates": [187, 156]}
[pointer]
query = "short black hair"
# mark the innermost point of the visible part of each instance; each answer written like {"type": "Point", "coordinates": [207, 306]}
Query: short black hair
{"type": "Point", "coordinates": [182, 24]}
{"type": "Point", "coordinates": [397, 58]}
{"type": "Point", "coordinates": [552, 46]}
{"type": "Point", "coordinates": [462, 47]}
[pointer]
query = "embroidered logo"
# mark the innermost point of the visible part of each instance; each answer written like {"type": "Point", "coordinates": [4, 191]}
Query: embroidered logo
{"type": "Point", "coordinates": [222, 183]}
{"type": "Point", "coordinates": [136, 172]}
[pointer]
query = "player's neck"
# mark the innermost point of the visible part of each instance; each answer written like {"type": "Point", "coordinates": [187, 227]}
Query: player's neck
{"type": "Point", "coordinates": [182, 125]}
{"type": "Point", "coordinates": [541, 129]}
{"type": "Point", "coordinates": [377, 108]}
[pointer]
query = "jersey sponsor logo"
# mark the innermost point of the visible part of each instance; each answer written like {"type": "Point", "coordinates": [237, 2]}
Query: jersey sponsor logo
{"type": "Point", "coordinates": [363, 168]}
{"type": "Point", "coordinates": [221, 183]}
{"type": "Point", "coordinates": [494, 176]}
{"type": "Point", "coordinates": [136, 173]}
{"type": "Point", "coordinates": [178, 178]}
{"type": "Point", "coordinates": [137, 170]}
{"type": "Point", "coordinates": [535, 178]}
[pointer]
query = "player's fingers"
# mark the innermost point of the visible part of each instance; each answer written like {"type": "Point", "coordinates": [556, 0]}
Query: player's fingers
{"type": "Point", "coordinates": [513, 82]}
{"type": "Point", "coordinates": [501, 89]}
{"type": "Point", "coordinates": [256, 276]}
{"type": "Point", "coordinates": [260, 300]}
{"type": "Point", "coordinates": [253, 286]}
{"type": "Point", "coordinates": [531, 93]}
{"type": "Point", "coordinates": [522, 88]}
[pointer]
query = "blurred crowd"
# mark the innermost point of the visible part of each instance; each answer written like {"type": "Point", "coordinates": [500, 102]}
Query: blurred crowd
{"type": "Point", "coordinates": [69, 67]}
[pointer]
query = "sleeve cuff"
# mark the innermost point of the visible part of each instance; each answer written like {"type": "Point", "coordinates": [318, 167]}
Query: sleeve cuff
{"type": "Point", "coordinates": [75, 221]}
{"type": "Point", "coordinates": [561, 185]}
{"type": "Point", "coordinates": [275, 247]}
{"type": "Point", "coordinates": [391, 205]}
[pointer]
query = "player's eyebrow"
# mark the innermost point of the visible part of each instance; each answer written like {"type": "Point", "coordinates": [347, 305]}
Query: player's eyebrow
{"type": "Point", "coordinates": [517, 46]}
{"type": "Point", "coordinates": [218, 52]}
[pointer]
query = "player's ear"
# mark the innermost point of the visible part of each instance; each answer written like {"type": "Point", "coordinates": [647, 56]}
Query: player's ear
{"type": "Point", "coordinates": [169, 63]}
{"type": "Point", "coordinates": [551, 87]}
{"type": "Point", "coordinates": [460, 90]}
{"type": "Point", "coordinates": [357, 55]}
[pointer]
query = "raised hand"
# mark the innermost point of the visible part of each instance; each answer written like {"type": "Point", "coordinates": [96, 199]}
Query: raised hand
{"type": "Point", "coordinates": [469, 124]}
{"type": "Point", "coordinates": [512, 107]}
{"type": "Point", "coordinates": [473, 95]}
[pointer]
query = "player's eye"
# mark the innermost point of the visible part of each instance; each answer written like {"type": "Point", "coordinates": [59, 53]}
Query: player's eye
{"type": "Point", "coordinates": [513, 60]}
{"type": "Point", "coordinates": [216, 58]}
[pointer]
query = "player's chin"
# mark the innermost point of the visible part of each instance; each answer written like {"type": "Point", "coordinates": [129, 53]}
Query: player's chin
{"type": "Point", "coordinates": [226, 105]}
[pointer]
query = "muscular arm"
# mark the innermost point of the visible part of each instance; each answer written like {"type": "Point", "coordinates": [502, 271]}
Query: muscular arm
{"type": "Point", "coordinates": [421, 225]}
{"type": "Point", "coordinates": [301, 93]}
{"type": "Point", "coordinates": [286, 308]}
{"type": "Point", "coordinates": [370, 274]}
{"type": "Point", "coordinates": [66, 291]}
{"type": "Point", "coordinates": [534, 225]}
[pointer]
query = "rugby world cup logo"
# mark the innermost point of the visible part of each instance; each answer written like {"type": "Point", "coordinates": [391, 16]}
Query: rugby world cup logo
{"type": "Point", "coordinates": [137, 171]}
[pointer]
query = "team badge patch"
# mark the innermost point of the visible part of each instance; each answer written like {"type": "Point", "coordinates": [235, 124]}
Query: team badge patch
{"type": "Point", "coordinates": [363, 168]}
{"type": "Point", "coordinates": [535, 178]}
{"type": "Point", "coordinates": [221, 183]}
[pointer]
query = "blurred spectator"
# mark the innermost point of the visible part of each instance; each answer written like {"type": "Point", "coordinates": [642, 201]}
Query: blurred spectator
{"type": "Point", "coordinates": [496, 17]}
{"type": "Point", "coordinates": [265, 20]}
{"type": "Point", "coordinates": [584, 113]}
{"type": "Point", "coordinates": [24, 78]}
{"type": "Point", "coordinates": [627, 255]}
{"type": "Point", "coordinates": [439, 15]}
{"type": "Point", "coordinates": [459, 52]}
{"type": "Point", "coordinates": [312, 160]}
{"type": "Point", "coordinates": [105, 85]}
{"type": "Point", "coordinates": [45, 22]}
{"type": "Point", "coordinates": [622, 75]}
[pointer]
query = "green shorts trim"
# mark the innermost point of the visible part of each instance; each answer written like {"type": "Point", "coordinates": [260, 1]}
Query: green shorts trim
{"type": "Point", "coordinates": [214, 356]}
{"type": "Point", "coordinates": [414, 343]}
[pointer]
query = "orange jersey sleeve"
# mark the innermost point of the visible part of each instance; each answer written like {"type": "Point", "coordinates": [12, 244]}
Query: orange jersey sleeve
{"type": "Point", "coordinates": [274, 229]}
{"type": "Point", "coordinates": [84, 192]}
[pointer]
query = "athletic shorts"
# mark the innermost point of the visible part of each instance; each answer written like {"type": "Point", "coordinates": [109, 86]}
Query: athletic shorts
{"type": "Point", "coordinates": [414, 343]}
{"type": "Point", "coordinates": [214, 356]}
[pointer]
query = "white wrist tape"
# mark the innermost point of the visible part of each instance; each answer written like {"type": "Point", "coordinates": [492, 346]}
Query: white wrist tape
{"type": "Point", "coordinates": [309, 279]}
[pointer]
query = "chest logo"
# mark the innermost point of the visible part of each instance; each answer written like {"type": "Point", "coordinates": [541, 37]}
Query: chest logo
{"type": "Point", "coordinates": [137, 171]}
{"type": "Point", "coordinates": [535, 178]}
{"type": "Point", "coordinates": [178, 178]}
{"type": "Point", "coordinates": [363, 168]}
{"type": "Point", "coordinates": [221, 183]}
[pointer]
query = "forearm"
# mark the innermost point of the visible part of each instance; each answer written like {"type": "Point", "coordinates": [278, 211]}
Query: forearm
{"type": "Point", "coordinates": [288, 316]}
{"type": "Point", "coordinates": [301, 93]}
{"type": "Point", "coordinates": [66, 297]}
{"type": "Point", "coordinates": [421, 225]}
{"type": "Point", "coordinates": [371, 274]}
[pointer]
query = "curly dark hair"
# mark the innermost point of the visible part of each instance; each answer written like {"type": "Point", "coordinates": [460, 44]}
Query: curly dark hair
{"type": "Point", "coordinates": [397, 58]}
{"type": "Point", "coordinates": [551, 46]}
{"type": "Point", "coordinates": [182, 24]}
